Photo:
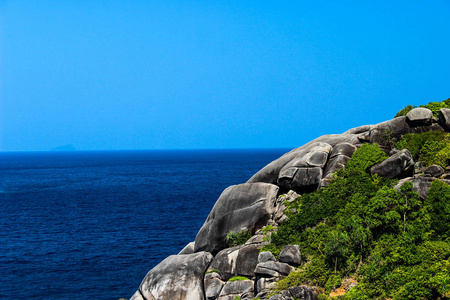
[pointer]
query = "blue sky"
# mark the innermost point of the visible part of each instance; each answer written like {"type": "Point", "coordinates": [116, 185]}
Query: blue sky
{"type": "Point", "coordinates": [111, 75]}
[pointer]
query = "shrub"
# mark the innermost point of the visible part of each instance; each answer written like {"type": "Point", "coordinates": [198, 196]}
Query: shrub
{"type": "Point", "coordinates": [365, 157]}
{"type": "Point", "coordinates": [238, 278]}
{"type": "Point", "coordinates": [405, 110]}
{"type": "Point", "coordinates": [236, 239]}
{"type": "Point", "coordinates": [414, 142]}
{"type": "Point", "coordinates": [433, 106]}
{"type": "Point", "coordinates": [438, 206]}
{"type": "Point", "coordinates": [436, 106]}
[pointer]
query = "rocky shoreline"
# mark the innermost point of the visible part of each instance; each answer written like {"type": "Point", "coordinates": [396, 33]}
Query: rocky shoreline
{"type": "Point", "coordinates": [208, 268]}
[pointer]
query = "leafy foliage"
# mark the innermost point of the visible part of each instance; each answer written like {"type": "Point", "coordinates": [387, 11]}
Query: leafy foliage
{"type": "Point", "coordinates": [436, 106]}
{"type": "Point", "coordinates": [235, 239]}
{"type": "Point", "coordinates": [433, 106]}
{"type": "Point", "coordinates": [238, 278]}
{"type": "Point", "coordinates": [431, 148]}
{"type": "Point", "coordinates": [396, 245]}
{"type": "Point", "coordinates": [405, 110]}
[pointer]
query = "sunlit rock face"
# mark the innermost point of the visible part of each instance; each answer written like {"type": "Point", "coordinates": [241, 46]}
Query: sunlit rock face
{"type": "Point", "coordinates": [244, 207]}
{"type": "Point", "coordinates": [176, 277]}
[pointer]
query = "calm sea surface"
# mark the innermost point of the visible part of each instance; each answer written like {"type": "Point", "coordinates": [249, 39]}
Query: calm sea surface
{"type": "Point", "coordinates": [90, 225]}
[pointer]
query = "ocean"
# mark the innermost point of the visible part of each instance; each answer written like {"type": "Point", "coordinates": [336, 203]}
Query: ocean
{"type": "Point", "coordinates": [91, 224]}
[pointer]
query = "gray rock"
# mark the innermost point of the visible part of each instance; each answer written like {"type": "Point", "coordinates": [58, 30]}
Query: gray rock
{"type": "Point", "coordinates": [324, 182]}
{"type": "Point", "coordinates": [243, 207]}
{"type": "Point", "coordinates": [314, 155]}
{"type": "Point", "coordinates": [290, 254]}
{"type": "Point", "coordinates": [432, 127]}
{"type": "Point", "coordinates": [137, 296]}
{"type": "Point", "coordinates": [385, 133]}
{"type": "Point", "coordinates": [273, 269]}
{"type": "Point", "coordinates": [283, 295]}
{"type": "Point", "coordinates": [177, 277]}
{"type": "Point", "coordinates": [303, 292]}
{"type": "Point", "coordinates": [360, 129]}
{"type": "Point", "coordinates": [296, 293]}
{"type": "Point", "coordinates": [434, 171]}
{"type": "Point", "coordinates": [298, 178]}
{"type": "Point", "coordinates": [345, 149]}
{"type": "Point", "coordinates": [444, 118]}
{"type": "Point", "coordinates": [236, 288]}
{"type": "Point", "coordinates": [213, 286]}
{"type": "Point", "coordinates": [265, 283]}
{"type": "Point", "coordinates": [335, 164]}
{"type": "Point", "coordinates": [257, 239]}
{"type": "Point", "coordinates": [421, 184]}
{"type": "Point", "coordinates": [270, 173]}
{"type": "Point", "coordinates": [188, 249]}
{"type": "Point", "coordinates": [420, 116]}
{"type": "Point", "coordinates": [399, 165]}
{"type": "Point", "coordinates": [236, 261]}
{"type": "Point", "coordinates": [266, 256]}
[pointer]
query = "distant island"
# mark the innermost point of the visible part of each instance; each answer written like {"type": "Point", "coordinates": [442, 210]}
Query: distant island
{"type": "Point", "coordinates": [64, 148]}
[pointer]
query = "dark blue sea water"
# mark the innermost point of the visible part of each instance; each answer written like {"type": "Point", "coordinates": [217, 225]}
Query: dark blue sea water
{"type": "Point", "coordinates": [90, 225]}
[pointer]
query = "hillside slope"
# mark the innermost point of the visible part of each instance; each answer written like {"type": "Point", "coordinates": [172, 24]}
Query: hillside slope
{"type": "Point", "coordinates": [360, 215]}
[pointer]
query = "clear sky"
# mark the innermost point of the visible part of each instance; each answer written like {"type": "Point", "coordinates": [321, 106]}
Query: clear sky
{"type": "Point", "coordinates": [169, 74]}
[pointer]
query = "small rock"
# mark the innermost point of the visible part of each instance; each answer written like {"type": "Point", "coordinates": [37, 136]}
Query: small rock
{"type": "Point", "coordinates": [303, 292]}
{"type": "Point", "coordinates": [266, 256]}
{"type": "Point", "coordinates": [290, 254]}
{"type": "Point", "coordinates": [273, 269]}
{"type": "Point", "coordinates": [188, 249]}
{"type": "Point", "coordinates": [236, 261]}
{"type": "Point", "coordinates": [434, 171]}
{"type": "Point", "coordinates": [236, 288]}
{"type": "Point", "coordinates": [213, 285]}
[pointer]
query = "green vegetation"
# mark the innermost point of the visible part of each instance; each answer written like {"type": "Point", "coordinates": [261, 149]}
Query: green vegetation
{"type": "Point", "coordinates": [405, 110]}
{"type": "Point", "coordinates": [266, 229]}
{"type": "Point", "coordinates": [236, 239]}
{"type": "Point", "coordinates": [238, 278]}
{"type": "Point", "coordinates": [431, 148]}
{"type": "Point", "coordinates": [212, 271]}
{"type": "Point", "coordinates": [433, 106]}
{"type": "Point", "coordinates": [394, 244]}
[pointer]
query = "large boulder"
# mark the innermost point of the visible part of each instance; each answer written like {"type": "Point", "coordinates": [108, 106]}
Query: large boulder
{"type": "Point", "coordinates": [290, 254]}
{"type": "Point", "coordinates": [300, 178]}
{"type": "Point", "coordinates": [421, 184]}
{"type": "Point", "coordinates": [311, 154]}
{"type": "Point", "coordinates": [233, 289]}
{"type": "Point", "coordinates": [434, 171]}
{"type": "Point", "coordinates": [273, 269]}
{"type": "Point", "coordinates": [244, 207]}
{"type": "Point", "coordinates": [236, 261]}
{"type": "Point", "coordinates": [385, 133]}
{"type": "Point", "coordinates": [213, 285]}
{"type": "Point", "coordinates": [420, 116]}
{"type": "Point", "coordinates": [444, 118]}
{"type": "Point", "coordinates": [176, 277]}
{"type": "Point", "coordinates": [399, 165]}
{"type": "Point", "coordinates": [266, 256]}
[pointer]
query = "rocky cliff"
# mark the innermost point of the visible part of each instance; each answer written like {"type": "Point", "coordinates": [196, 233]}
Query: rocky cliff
{"type": "Point", "coordinates": [211, 268]}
